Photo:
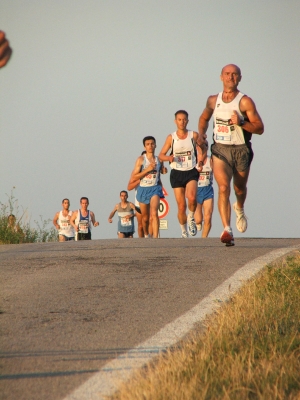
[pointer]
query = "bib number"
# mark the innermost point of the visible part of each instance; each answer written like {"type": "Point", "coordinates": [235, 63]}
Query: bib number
{"type": "Point", "coordinates": [64, 224]}
{"type": "Point", "coordinates": [125, 222]}
{"type": "Point", "coordinates": [83, 227]}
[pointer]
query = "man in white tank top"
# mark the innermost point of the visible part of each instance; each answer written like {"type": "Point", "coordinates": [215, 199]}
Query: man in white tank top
{"type": "Point", "coordinates": [235, 120]}
{"type": "Point", "coordinates": [185, 166]}
{"type": "Point", "coordinates": [61, 221]}
{"type": "Point", "coordinates": [147, 170]}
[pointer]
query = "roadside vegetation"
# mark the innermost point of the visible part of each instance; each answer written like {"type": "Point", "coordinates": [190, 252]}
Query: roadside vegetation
{"type": "Point", "coordinates": [15, 227]}
{"type": "Point", "coordinates": [250, 348]}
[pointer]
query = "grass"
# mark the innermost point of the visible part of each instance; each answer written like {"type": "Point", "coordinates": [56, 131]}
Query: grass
{"type": "Point", "coordinates": [250, 348]}
{"type": "Point", "coordinates": [15, 227]}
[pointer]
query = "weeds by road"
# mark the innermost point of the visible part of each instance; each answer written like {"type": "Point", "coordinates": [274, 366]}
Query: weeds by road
{"type": "Point", "coordinates": [15, 227]}
{"type": "Point", "coordinates": [250, 349]}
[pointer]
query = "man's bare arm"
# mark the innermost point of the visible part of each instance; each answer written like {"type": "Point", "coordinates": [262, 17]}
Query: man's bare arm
{"type": "Point", "coordinates": [206, 115]}
{"type": "Point", "coordinates": [255, 124]}
{"type": "Point", "coordinates": [55, 220]}
{"type": "Point", "coordinates": [110, 217]}
{"type": "Point", "coordinates": [137, 173]}
{"type": "Point", "coordinates": [166, 147]}
{"type": "Point", "coordinates": [72, 220]}
{"type": "Point", "coordinates": [93, 219]}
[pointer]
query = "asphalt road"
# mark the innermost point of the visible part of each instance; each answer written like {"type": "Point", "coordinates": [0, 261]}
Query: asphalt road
{"type": "Point", "coordinates": [68, 308]}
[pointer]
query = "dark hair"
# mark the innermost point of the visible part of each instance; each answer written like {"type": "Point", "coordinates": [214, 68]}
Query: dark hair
{"type": "Point", "coordinates": [66, 199]}
{"type": "Point", "coordinates": [84, 198]}
{"type": "Point", "coordinates": [148, 138]}
{"type": "Point", "coordinates": [143, 152]}
{"type": "Point", "coordinates": [181, 112]}
{"type": "Point", "coordinates": [124, 191]}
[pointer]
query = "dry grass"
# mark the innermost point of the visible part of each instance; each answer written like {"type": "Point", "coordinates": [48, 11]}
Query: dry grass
{"type": "Point", "coordinates": [250, 349]}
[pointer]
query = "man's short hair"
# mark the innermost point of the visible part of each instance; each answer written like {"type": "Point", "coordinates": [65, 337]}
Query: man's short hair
{"type": "Point", "coordinates": [124, 191]}
{"type": "Point", "coordinates": [182, 112]}
{"type": "Point", "coordinates": [84, 198]}
{"type": "Point", "coordinates": [148, 138]}
{"type": "Point", "coordinates": [66, 199]}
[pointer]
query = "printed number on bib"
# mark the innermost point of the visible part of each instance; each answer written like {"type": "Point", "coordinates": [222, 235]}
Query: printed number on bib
{"type": "Point", "coordinates": [64, 224]}
{"type": "Point", "coordinates": [83, 227]}
{"type": "Point", "coordinates": [125, 222]}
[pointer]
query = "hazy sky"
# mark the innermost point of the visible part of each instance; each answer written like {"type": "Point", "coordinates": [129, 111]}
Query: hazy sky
{"type": "Point", "coordinates": [89, 79]}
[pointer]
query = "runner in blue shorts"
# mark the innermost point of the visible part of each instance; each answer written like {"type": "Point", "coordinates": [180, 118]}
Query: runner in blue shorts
{"type": "Point", "coordinates": [147, 169]}
{"type": "Point", "coordinates": [205, 195]}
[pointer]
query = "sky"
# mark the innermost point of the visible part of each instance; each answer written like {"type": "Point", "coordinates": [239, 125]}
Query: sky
{"type": "Point", "coordinates": [89, 79]}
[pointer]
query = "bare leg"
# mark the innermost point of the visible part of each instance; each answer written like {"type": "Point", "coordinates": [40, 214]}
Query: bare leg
{"type": "Point", "coordinates": [191, 195]}
{"type": "Point", "coordinates": [208, 207]}
{"type": "Point", "coordinates": [154, 204]}
{"type": "Point", "coordinates": [145, 209]}
{"type": "Point", "coordinates": [140, 225]}
{"type": "Point", "coordinates": [61, 238]}
{"type": "Point", "coordinates": [223, 175]}
{"type": "Point", "coordinates": [198, 214]}
{"type": "Point", "coordinates": [181, 204]}
{"type": "Point", "coordinates": [240, 180]}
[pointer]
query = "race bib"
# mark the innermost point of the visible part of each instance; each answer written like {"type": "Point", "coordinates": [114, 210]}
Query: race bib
{"type": "Point", "coordinates": [184, 160]}
{"type": "Point", "coordinates": [83, 227]}
{"type": "Point", "coordinates": [204, 179]}
{"type": "Point", "coordinates": [150, 179]}
{"type": "Point", "coordinates": [223, 129]}
{"type": "Point", "coordinates": [126, 222]}
{"type": "Point", "coordinates": [64, 224]}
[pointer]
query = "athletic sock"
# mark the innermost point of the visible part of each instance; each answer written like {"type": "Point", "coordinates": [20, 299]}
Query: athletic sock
{"type": "Point", "coordinates": [183, 228]}
{"type": "Point", "coordinates": [191, 214]}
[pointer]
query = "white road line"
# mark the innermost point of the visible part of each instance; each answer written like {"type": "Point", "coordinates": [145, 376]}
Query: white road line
{"type": "Point", "coordinates": [107, 380]}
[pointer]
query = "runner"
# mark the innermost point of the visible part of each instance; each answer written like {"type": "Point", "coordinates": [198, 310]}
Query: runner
{"type": "Point", "coordinates": [126, 214]}
{"type": "Point", "coordinates": [235, 120]}
{"type": "Point", "coordinates": [82, 220]}
{"type": "Point", "coordinates": [147, 169]}
{"type": "Point", "coordinates": [133, 184]}
{"type": "Point", "coordinates": [61, 221]}
{"type": "Point", "coordinates": [205, 195]}
{"type": "Point", "coordinates": [185, 170]}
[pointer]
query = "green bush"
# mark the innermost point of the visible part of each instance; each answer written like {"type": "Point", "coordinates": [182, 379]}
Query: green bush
{"type": "Point", "coordinates": [15, 229]}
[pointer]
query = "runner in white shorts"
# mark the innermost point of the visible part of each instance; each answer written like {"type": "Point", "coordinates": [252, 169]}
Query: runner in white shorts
{"type": "Point", "coordinates": [61, 221]}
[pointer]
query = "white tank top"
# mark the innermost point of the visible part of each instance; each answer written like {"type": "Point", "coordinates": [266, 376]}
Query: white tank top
{"type": "Point", "coordinates": [225, 131]}
{"type": "Point", "coordinates": [184, 152]}
{"type": "Point", "coordinates": [152, 178]}
{"type": "Point", "coordinates": [206, 175]}
{"type": "Point", "coordinates": [66, 228]}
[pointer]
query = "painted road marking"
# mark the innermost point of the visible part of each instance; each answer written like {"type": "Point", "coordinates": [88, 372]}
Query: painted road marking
{"type": "Point", "coordinates": [107, 380]}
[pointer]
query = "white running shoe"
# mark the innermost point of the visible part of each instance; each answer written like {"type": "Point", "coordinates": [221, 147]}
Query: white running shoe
{"type": "Point", "coordinates": [184, 235]}
{"type": "Point", "coordinates": [241, 219]}
{"type": "Point", "coordinates": [199, 227]}
{"type": "Point", "coordinates": [192, 228]}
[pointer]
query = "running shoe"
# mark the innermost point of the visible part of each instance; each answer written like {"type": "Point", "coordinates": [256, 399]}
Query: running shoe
{"type": "Point", "coordinates": [184, 235]}
{"type": "Point", "coordinates": [227, 238]}
{"type": "Point", "coordinates": [241, 219]}
{"type": "Point", "coordinates": [192, 228]}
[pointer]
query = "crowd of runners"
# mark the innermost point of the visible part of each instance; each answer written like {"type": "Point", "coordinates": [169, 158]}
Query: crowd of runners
{"type": "Point", "coordinates": [235, 119]}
